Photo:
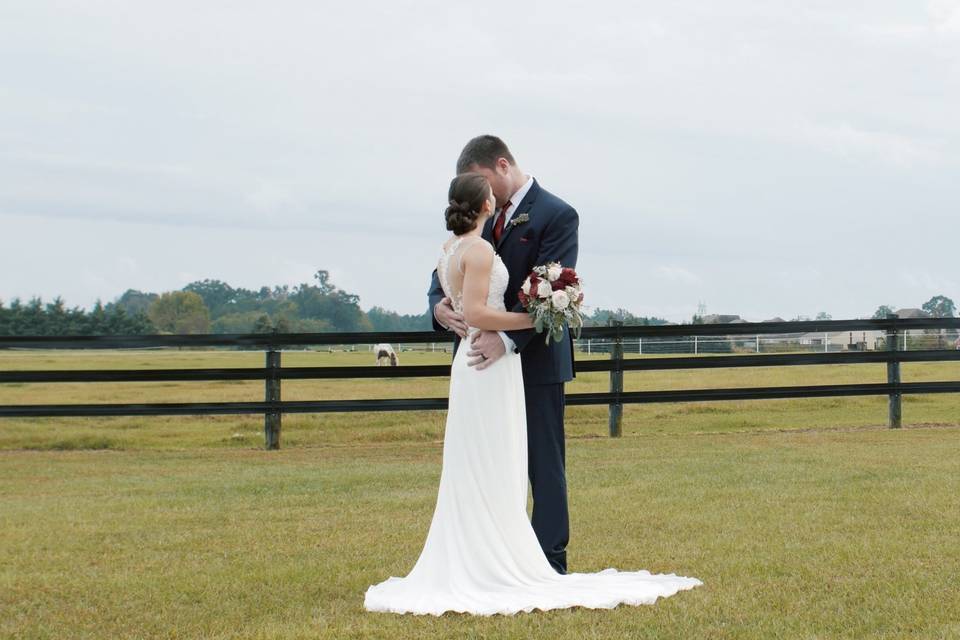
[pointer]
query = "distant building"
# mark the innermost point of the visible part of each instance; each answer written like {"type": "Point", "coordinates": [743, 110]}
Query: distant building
{"type": "Point", "coordinates": [922, 336]}
{"type": "Point", "coordinates": [714, 318]}
{"type": "Point", "coordinates": [844, 340]}
{"type": "Point", "coordinates": [912, 313]}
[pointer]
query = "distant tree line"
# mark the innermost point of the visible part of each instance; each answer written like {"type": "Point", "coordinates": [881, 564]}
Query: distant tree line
{"type": "Point", "coordinates": [210, 306]}
{"type": "Point", "coordinates": [935, 307]}
{"type": "Point", "coordinates": [213, 306]}
{"type": "Point", "coordinates": [602, 317]}
{"type": "Point", "coordinates": [54, 319]}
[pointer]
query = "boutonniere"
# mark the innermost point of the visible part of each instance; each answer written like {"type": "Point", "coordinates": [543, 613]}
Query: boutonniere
{"type": "Point", "coordinates": [520, 219]}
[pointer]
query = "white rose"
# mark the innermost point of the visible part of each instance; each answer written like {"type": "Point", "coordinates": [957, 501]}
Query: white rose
{"type": "Point", "coordinates": [560, 300]}
{"type": "Point", "coordinates": [544, 289]}
{"type": "Point", "coordinates": [553, 272]}
{"type": "Point", "coordinates": [526, 287]}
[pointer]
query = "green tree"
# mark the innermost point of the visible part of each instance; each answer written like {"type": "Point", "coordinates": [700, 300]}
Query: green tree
{"type": "Point", "coordinates": [600, 318]}
{"type": "Point", "coordinates": [180, 312]}
{"type": "Point", "coordinates": [940, 307]}
{"type": "Point", "coordinates": [139, 324]}
{"type": "Point", "coordinates": [217, 295]}
{"type": "Point", "coordinates": [117, 321]}
{"type": "Point", "coordinates": [55, 319]}
{"type": "Point", "coordinates": [324, 285]}
{"type": "Point", "coordinates": [9, 317]}
{"type": "Point", "coordinates": [384, 320]}
{"type": "Point", "coordinates": [823, 315]}
{"type": "Point", "coordinates": [14, 325]}
{"type": "Point", "coordinates": [235, 322]}
{"type": "Point", "coordinates": [326, 302]}
{"type": "Point", "coordinates": [33, 317]}
{"type": "Point", "coordinates": [134, 302]}
{"type": "Point", "coordinates": [311, 325]}
{"type": "Point", "coordinates": [263, 324]}
{"type": "Point", "coordinates": [882, 312]}
{"type": "Point", "coordinates": [97, 320]}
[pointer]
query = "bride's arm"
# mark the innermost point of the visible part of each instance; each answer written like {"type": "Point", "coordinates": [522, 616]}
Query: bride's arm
{"type": "Point", "coordinates": [477, 262]}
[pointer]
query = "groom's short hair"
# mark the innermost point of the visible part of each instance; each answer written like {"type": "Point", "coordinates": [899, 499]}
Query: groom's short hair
{"type": "Point", "coordinates": [483, 151]}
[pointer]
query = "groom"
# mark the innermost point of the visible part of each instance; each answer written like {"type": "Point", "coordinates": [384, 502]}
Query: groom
{"type": "Point", "coordinates": [532, 227]}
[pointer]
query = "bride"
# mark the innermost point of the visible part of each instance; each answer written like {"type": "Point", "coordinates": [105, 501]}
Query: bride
{"type": "Point", "coordinates": [481, 555]}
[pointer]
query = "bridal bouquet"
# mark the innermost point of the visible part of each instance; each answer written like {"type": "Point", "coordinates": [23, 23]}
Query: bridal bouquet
{"type": "Point", "coordinates": [552, 295]}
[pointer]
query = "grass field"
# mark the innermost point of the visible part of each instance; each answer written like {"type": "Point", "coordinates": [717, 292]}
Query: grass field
{"type": "Point", "coordinates": [804, 519]}
{"type": "Point", "coordinates": [427, 426]}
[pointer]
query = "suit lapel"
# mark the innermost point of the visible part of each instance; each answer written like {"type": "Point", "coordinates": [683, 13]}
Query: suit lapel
{"type": "Point", "coordinates": [523, 207]}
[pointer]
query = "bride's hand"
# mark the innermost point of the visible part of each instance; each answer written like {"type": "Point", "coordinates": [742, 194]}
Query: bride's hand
{"type": "Point", "coordinates": [449, 318]}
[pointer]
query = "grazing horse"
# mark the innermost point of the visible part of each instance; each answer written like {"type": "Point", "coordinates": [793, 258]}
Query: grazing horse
{"type": "Point", "coordinates": [386, 356]}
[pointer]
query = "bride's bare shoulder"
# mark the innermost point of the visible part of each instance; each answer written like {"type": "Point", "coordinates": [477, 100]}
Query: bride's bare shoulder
{"type": "Point", "coordinates": [477, 254]}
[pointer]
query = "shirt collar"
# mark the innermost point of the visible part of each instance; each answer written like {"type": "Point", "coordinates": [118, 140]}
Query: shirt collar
{"type": "Point", "coordinates": [518, 196]}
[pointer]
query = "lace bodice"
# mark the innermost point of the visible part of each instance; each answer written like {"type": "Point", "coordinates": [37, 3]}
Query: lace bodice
{"type": "Point", "coordinates": [450, 273]}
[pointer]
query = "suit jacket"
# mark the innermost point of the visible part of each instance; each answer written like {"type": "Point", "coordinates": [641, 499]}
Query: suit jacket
{"type": "Point", "coordinates": [550, 234]}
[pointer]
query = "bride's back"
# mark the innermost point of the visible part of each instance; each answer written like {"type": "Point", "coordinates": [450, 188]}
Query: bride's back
{"type": "Point", "coordinates": [450, 271]}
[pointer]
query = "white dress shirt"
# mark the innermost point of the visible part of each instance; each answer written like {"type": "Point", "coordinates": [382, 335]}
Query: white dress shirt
{"type": "Point", "coordinates": [515, 200]}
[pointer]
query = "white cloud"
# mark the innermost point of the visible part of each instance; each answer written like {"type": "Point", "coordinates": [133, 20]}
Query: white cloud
{"type": "Point", "coordinates": [929, 282]}
{"type": "Point", "coordinates": [677, 275]}
{"type": "Point", "coordinates": [850, 141]}
{"type": "Point", "coordinates": [726, 143]}
{"type": "Point", "coordinates": [942, 18]}
{"type": "Point", "coordinates": [945, 15]}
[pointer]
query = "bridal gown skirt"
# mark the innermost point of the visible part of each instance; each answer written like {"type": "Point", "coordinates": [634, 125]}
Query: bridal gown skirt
{"type": "Point", "coordinates": [481, 555]}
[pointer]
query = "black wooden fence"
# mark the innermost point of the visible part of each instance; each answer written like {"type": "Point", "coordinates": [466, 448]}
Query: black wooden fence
{"type": "Point", "coordinates": [273, 407]}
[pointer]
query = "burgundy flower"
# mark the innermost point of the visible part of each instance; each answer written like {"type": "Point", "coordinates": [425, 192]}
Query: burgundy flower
{"type": "Point", "coordinates": [567, 278]}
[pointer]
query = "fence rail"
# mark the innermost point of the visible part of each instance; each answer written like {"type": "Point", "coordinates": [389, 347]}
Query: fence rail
{"type": "Point", "coordinates": [273, 373]}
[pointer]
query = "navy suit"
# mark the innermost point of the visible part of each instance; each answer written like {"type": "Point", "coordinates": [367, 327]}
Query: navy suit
{"type": "Point", "coordinates": [548, 235]}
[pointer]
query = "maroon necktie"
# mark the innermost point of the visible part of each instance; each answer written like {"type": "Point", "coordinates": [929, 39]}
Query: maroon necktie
{"type": "Point", "coordinates": [498, 225]}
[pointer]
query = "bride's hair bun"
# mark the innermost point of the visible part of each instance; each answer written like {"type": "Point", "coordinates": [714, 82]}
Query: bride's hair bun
{"type": "Point", "coordinates": [460, 217]}
{"type": "Point", "coordinates": [467, 193]}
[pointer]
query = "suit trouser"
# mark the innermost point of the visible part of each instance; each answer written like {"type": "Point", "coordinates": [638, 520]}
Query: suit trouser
{"type": "Point", "coordinates": [546, 466]}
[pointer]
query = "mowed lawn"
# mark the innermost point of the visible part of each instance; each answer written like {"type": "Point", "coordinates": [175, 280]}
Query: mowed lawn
{"type": "Point", "coordinates": [804, 519]}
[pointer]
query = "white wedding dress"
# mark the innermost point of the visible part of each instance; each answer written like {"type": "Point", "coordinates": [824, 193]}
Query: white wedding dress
{"type": "Point", "coordinates": [481, 555]}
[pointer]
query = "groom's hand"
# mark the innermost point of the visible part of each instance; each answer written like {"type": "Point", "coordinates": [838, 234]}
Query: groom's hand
{"type": "Point", "coordinates": [449, 318]}
{"type": "Point", "coordinates": [486, 347]}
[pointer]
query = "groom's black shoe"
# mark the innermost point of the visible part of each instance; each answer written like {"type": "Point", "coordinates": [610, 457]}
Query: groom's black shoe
{"type": "Point", "coordinates": [558, 562]}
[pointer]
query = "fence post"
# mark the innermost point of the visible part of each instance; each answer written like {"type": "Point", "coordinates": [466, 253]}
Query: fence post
{"type": "Point", "coordinates": [893, 376]}
{"type": "Point", "coordinates": [271, 420]}
{"type": "Point", "coordinates": [616, 380]}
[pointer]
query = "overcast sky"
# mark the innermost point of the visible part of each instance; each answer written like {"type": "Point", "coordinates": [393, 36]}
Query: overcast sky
{"type": "Point", "coordinates": [762, 157]}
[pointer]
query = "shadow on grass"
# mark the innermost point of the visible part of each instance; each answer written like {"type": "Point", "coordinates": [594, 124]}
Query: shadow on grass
{"type": "Point", "coordinates": [85, 442]}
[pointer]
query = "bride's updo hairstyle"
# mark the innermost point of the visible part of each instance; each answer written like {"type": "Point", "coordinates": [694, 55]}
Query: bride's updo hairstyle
{"type": "Point", "coordinates": [468, 192]}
